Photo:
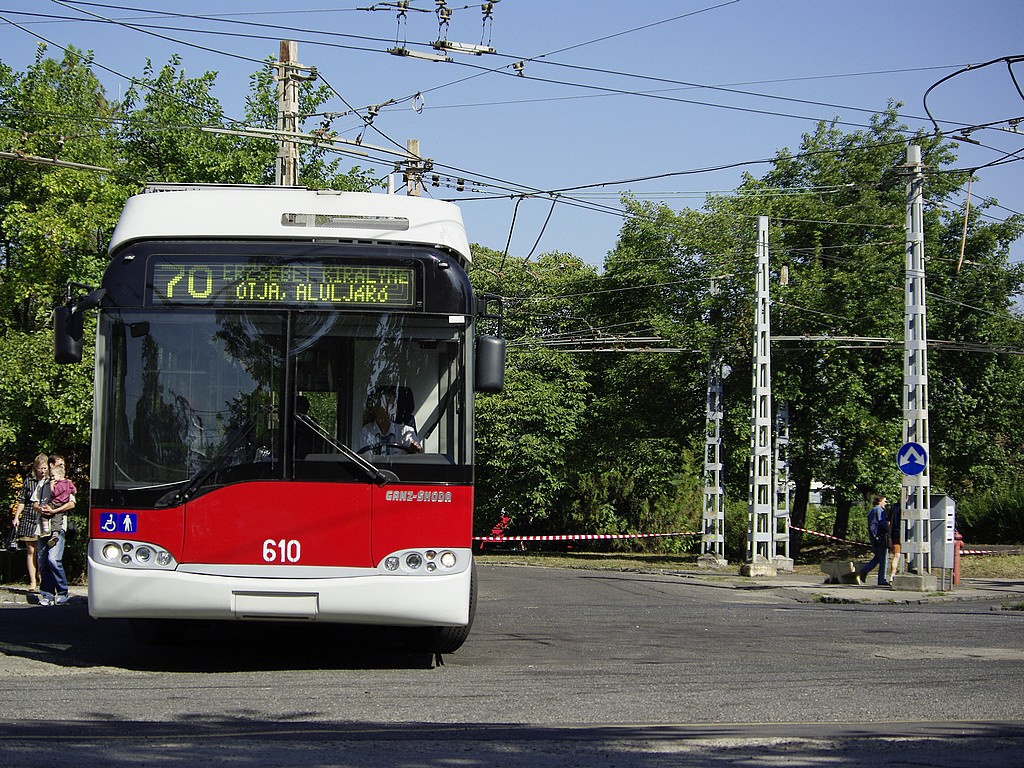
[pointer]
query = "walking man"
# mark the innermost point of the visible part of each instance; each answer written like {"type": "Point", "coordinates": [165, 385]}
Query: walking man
{"type": "Point", "coordinates": [878, 532]}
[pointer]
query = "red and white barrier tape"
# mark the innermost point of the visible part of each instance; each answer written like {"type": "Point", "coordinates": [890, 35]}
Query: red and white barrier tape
{"type": "Point", "coordinates": [604, 536]}
{"type": "Point", "coordinates": [584, 536]}
{"type": "Point", "coordinates": [861, 544]}
{"type": "Point", "coordinates": [826, 536]}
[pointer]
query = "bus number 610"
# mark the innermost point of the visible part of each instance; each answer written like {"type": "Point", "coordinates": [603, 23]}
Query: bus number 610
{"type": "Point", "coordinates": [282, 551]}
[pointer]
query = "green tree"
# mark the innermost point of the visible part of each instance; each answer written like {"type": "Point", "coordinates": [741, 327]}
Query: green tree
{"type": "Point", "coordinates": [526, 434]}
{"type": "Point", "coordinates": [976, 371]}
{"type": "Point", "coordinates": [837, 208]}
{"type": "Point", "coordinates": [173, 131]}
{"type": "Point", "coordinates": [649, 406]}
{"type": "Point", "coordinates": [52, 227]}
{"type": "Point", "coordinates": [55, 221]}
{"type": "Point", "coordinates": [837, 211]}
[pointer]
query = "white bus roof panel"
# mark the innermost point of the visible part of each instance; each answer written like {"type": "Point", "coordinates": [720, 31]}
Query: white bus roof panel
{"type": "Point", "coordinates": [183, 211]}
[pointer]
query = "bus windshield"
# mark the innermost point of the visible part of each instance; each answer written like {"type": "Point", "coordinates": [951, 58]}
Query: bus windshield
{"type": "Point", "coordinates": [238, 394]}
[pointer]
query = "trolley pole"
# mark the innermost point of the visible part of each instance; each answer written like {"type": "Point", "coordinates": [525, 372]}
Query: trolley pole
{"type": "Point", "coordinates": [915, 494]}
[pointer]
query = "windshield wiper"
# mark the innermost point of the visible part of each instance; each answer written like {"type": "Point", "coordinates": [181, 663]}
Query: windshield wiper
{"type": "Point", "coordinates": [375, 474]}
{"type": "Point", "coordinates": [214, 464]}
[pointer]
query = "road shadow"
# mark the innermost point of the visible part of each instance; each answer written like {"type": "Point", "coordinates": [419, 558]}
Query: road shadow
{"type": "Point", "coordinates": [193, 740]}
{"type": "Point", "coordinates": [69, 637]}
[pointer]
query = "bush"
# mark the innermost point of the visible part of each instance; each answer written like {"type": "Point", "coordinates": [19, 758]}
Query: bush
{"type": "Point", "coordinates": [996, 518]}
{"type": "Point", "coordinates": [823, 519]}
{"type": "Point", "coordinates": [75, 551]}
{"type": "Point", "coordinates": [736, 520]}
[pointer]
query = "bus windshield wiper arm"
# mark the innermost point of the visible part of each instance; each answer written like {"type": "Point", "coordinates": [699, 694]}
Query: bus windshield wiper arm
{"type": "Point", "coordinates": [210, 467]}
{"type": "Point", "coordinates": [377, 475]}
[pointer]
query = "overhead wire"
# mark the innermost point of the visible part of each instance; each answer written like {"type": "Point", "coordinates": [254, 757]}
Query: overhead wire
{"type": "Point", "coordinates": [509, 186]}
{"type": "Point", "coordinates": [196, 16]}
{"type": "Point", "coordinates": [72, 3]}
{"type": "Point", "coordinates": [263, 62]}
{"type": "Point", "coordinates": [1010, 157]}
{"type": "Point", "coordinates": [541, 58]}
{"type": "Point", "coordinates": [970, 67]}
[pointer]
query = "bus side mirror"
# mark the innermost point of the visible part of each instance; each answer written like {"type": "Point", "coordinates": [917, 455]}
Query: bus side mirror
{"type": "Point", "coordinates": [69, 324]}
{"type": "Point", "coordinates": [67, 335]}
{"type": "Point", "coordinates": [490, 364]}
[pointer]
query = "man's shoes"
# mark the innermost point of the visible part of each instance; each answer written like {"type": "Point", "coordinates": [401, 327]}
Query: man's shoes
{"type": "Point", "coordinates": [885, 583]}
{"type": "Point", "coordinates": [61, 599]}
{"type": "Point", "coordinates": [858, 579]}
{"type": "Point", "coordinates": [45, 600]}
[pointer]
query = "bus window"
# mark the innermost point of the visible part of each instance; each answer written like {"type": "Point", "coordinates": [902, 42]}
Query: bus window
{"type": "Point", "coordinates": [343, 363]}
{"type": "Point", "coordinates": [182, 387]}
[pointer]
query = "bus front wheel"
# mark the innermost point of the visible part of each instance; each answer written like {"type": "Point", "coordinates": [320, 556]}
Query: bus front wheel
{"type": "Point", "coordinates": [450, 639]}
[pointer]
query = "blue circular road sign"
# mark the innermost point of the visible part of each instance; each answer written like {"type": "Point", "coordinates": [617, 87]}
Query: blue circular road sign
{"type": "Point", "coordinates": [912, 458]}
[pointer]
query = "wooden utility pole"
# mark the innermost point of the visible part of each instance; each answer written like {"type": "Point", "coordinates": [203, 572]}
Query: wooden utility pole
{"type": "Point", "coordinates": [287, 170]}
{"type": "Point", "coordinates": [414, 172]}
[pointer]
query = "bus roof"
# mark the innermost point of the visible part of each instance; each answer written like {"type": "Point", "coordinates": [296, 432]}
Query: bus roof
{"type": "Point", "coordinates": [199, 211]}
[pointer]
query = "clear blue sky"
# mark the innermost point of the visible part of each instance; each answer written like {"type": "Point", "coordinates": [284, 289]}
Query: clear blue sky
{"type": "Point", "coordinates": [573, 120]}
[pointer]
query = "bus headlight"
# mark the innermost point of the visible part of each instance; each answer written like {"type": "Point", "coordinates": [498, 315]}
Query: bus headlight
{"type": "Point", "coordinates": [425, 562]}
{"type": "Point", "coordinates": [132, 554]}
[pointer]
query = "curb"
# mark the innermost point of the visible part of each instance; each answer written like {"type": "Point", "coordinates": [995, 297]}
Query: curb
{"type": "Point", "coordinates": [20, 593]}
{"type": "Point", "coordinates": [802, 590]}
{"type": "Point", "coordinates": [810, 591]}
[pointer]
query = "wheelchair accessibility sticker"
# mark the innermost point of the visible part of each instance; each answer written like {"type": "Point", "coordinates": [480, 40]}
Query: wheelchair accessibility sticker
{"type": "Point", "coordinates": [127, 522]}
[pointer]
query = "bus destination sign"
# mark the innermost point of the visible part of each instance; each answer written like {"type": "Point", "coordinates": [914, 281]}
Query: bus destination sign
{"type": "Point", "coordinates": [306, 283]}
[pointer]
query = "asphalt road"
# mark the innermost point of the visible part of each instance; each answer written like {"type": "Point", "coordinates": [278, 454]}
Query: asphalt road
{"type": "Point", "coordinates": [563, 668]}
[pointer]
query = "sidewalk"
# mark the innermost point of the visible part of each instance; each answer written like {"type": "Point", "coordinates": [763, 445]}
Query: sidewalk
{"type": "Point", "coordinates": [802, 587]}
{"type": "Point", "coordinates": [18, 593]}
{"type": "Point", "coordinates": [811, 588]}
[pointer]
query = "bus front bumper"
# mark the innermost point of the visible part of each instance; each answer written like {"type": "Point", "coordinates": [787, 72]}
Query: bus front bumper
{"type": "Point", "coordinates": [361, 596]}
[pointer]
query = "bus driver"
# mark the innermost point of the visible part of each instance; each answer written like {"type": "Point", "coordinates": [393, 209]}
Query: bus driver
{"type": "Point", "coordinates": [381, 435]}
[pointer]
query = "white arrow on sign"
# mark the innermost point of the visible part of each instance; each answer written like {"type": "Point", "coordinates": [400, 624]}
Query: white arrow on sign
{"type": "Point", "coordinates": [912, 459]}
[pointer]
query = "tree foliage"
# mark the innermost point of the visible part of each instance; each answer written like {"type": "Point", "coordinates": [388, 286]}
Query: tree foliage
{"type": "Point", "coordinates": [684, 281]}
{"type": "Point", "coordinates": [55, 221]}
{"type": "Point", "coordinates": [601, 425]}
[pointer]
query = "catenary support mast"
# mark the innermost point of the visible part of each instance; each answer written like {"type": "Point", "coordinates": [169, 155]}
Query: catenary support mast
{"type": "Point", "coordinates": [916, 488]}
{"type": "Point", "coordinates": [713, 524]}
{"type": "Point", "coordinates": [760, 540]}
{"type": "Point", "coordinates": [781, 518]}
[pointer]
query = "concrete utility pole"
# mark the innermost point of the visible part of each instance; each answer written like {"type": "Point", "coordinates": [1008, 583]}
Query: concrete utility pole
{"type": "Point", "coordinates": [760, 541]}
{"type": "Point", "coordinates": [289, 74]}
{"type": "Point", "coordinates": [916, 487]}
{"type": "Point", "coordinates": [780, 535]}
{"type": "Point", "coordinates": [712, 538]}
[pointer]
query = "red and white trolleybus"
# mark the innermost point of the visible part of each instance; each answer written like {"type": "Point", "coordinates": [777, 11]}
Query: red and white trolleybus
{"type": "Point", "coordinates": [253, 344]}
